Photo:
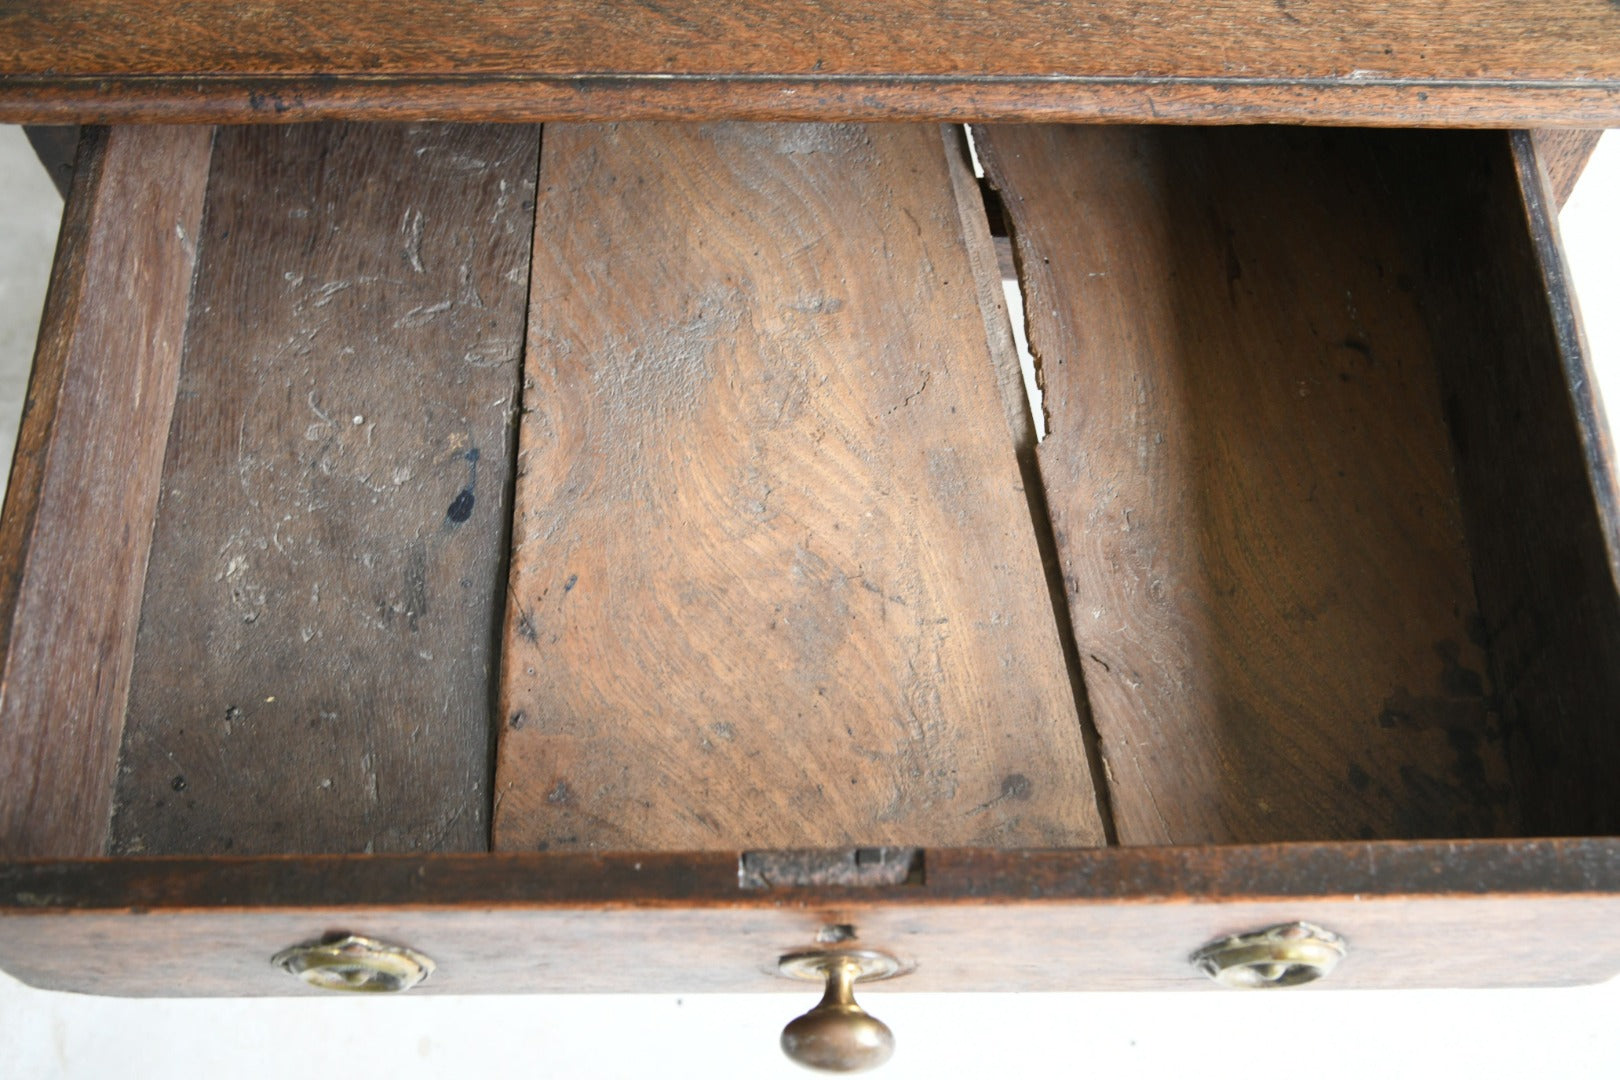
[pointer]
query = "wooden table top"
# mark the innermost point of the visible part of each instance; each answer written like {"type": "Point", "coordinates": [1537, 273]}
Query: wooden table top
{"type": "Point", "coordinates": [1473, 63]}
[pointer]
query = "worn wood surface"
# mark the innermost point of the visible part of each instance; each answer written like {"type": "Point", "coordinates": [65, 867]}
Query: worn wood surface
{"type": "Point", "coordinates": [1250, 481]}
{"type": "Point", "coordinates": [78, 510]}
{"type": "Point", "coordinates": [774, 582]}
{"type": "Point", "coordinates": [1564, 155]}
{"type": "Point", "coordinates": [1415, 915]}
{"type": "Point", "coordinates": [1475, 63]}
{"type": "Point", "coordinates": [317, 640]}
{"type": "Point", "coordinates": [1535, 463]}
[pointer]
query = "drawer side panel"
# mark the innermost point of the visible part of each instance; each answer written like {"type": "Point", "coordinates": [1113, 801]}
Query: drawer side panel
{"type": "Point", "coordinates": [774, 578]}
{"type": "Point", "coordinates": [84, 480]}
{"type": "Point", "coordinates": [1535, 461]}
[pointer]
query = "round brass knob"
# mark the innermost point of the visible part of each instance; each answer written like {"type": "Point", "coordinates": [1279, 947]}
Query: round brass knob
{"type": "Point", "coordinates": [838, 1035]}
{"type": "Point", "coordinates": [356, 964]}
{"type": "Point", "coordinates": [1287, 955]}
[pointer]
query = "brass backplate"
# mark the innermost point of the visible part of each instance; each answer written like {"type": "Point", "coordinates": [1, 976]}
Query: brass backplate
{"type": "Point", "coordinates": [1288, 955]}
{"type": "Point", "coordinates": [355, 964]}
{"type": "Point", "coordinates": [812, 964]}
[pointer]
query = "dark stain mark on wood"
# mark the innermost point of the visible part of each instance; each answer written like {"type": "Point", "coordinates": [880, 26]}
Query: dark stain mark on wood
{"type": "Point", "coordinates": [1458, 681]}
{"type": "Point", "coordinates": [1359, 345]}
{"type": "Point", "coordinates": [461, 507]}
{"type": "Point", "coordinates": [1017, 787]}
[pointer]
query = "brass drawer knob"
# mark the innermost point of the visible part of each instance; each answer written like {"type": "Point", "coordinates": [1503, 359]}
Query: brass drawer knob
{"type": "Point", "coordinates": [838, 1035]}
{"type": "Point", "coordinates": [1287, 955]}
{"type": "Point", "coordinates": [356, 964]}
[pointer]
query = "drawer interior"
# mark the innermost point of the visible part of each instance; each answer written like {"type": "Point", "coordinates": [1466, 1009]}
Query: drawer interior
{"type": "Point", "coordinates": [662, 486]}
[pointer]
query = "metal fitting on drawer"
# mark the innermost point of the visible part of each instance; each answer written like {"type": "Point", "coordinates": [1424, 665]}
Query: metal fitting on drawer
{"type": "Point", "coordinates": [1288, 955]}
{"type": "Point", "coordinates": [838, 1035]}
{"type": "Point", "coordinates": [355, 964]}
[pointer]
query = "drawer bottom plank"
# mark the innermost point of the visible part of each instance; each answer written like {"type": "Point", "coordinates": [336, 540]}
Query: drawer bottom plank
{"type": "Point", "coordinates": [774, 578]}
{"type": "Point", "coordinates": [317, 638]}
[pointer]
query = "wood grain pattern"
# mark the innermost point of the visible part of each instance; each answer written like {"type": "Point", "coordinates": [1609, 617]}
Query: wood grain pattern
{"type": "Point", "coordinates": [645, 922]}
{"type": "Point", "coordinates": [78, 510]}
{"type": "Point", "coordinates": [773, 578]}
{"type": "Point", "coordinates": [1057, 99]}
{"type": "Point", "coordinates": [1564, 155]}
{"type": "Point", "coordinates": [1479, 62]}
{"type": "Point", "coordinates": [317, 641]}
{"type": "Point", "coordinates": [1535, 463]}
{"type": "Point", "coordinates": [1250, 479]}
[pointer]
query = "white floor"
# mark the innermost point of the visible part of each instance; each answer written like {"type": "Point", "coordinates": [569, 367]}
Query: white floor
{"type": "Point", "coordinates": [1319, 1034]}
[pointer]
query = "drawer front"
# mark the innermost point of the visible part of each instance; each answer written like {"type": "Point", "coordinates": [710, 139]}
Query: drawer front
{"type": "Point", "coordinates": [1486, 913]}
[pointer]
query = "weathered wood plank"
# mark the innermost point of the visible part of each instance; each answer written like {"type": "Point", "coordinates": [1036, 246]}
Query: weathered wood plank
{"type": "Point", "coordinates": [773, 578]}
{"type": "Point", "coordinates": [1250, 478]}
{"type": "Point", "coordinates": [78, 510]}
{"type": "Point", "coordinates": [315, 661]}
{"type": "Point", "coordinates": [1474, 62]}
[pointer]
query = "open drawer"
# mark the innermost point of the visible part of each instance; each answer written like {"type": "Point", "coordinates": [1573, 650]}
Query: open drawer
{"type": "Point", "coordinates": [619, 556]}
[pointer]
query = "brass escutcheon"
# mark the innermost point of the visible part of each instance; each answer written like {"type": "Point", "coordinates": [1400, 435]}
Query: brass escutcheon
{"type": "Point", "coordinates": [355, 964]}
{"type": "Point", "coordinates": [1289, 955]}
{"type": "Point", "coordinates": [838, 1035]}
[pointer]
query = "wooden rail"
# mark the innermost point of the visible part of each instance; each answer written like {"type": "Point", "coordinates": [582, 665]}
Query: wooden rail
{"type": "Point", "coordinates": [1472, 63]}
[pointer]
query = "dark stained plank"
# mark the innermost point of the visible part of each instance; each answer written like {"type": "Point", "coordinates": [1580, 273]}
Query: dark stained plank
{"type": "Point", "coordinates": [648, 922]}
{"type": "Point", "coordinates": [78, 510]}
{"type": "Point", "coordinates": [1250, 479]}
{"type": "Point", "coordinates": [317, 641]}
{"type": "Point", "coordinates": [1535, 463]}
{"type": "Point", "coordinates": [774, 582]}
{"type": "Point", "coordinates": [1564, 155]}
{"type": "Point", "coordinates": [1477, 62]}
